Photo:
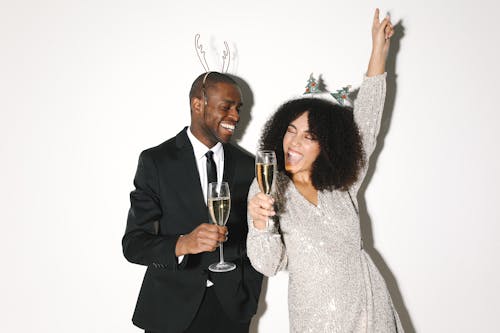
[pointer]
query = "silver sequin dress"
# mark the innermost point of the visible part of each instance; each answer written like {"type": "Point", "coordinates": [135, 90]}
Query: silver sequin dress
{"type": "Point", "coordinates": [333, 284]}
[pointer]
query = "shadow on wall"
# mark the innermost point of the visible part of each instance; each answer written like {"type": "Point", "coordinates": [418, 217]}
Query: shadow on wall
{"type": "Point", "coordinates": [261, 309]}
{"type": "Point", "coordinates": [245, 116]}
{"type": "Point", "coordinates": [366, 224]}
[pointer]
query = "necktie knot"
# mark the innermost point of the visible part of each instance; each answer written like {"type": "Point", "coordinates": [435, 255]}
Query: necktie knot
{"type": "Point", "coordinates": [211, 167]}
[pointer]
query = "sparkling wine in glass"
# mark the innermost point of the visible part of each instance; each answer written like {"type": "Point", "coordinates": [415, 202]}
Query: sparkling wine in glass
{"type": "Point", "coordinates": [265, 169]}
{"type": "Point", "coordinates": [219, 207]}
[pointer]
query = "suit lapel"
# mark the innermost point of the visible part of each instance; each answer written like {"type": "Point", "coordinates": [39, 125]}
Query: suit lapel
{"type": "Point", "coordinates": [229, 166]}
{"type": "Point", "coordinates": [189, 178]}
{"type": "Point", "coordinates": [229, 174]}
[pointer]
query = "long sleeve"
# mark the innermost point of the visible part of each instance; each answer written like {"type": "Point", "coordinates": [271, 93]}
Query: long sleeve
{"type": "Point", "coordinates": [368, 108]}
{"type": "Point", "coordinates": [142, 243]}
{"type": "Point", "coordinates": [265, 248]}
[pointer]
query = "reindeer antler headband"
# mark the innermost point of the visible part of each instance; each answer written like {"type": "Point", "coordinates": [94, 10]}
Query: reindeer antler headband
{"type": "Point", "coordinates": [226, 55]}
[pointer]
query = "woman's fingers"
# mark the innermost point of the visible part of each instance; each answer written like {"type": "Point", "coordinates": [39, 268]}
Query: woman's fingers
{"type": "Point", "coordinates": [261, 210]}
{"type": "Point", "coordinates": [261, 207]}
{"type": "Point", "coordinates": [263, 201]}
{"type": "Point", "coordinates": [384, 24]}
{"type": "Point", "coordinates": [389, 31]}
{"type": "Point", "coordinates": [376, 19]}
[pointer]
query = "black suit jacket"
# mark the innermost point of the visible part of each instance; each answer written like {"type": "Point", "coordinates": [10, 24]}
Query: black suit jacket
{"type": "Point", "coordinates": [168, 202]}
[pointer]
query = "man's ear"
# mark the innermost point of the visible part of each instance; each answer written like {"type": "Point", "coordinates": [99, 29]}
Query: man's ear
{"type": "Point", "coordinates": [197, 105]}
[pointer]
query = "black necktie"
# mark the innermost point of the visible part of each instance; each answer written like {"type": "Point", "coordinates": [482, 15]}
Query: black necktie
{"type": "Point", "coordinates": [211, 167]}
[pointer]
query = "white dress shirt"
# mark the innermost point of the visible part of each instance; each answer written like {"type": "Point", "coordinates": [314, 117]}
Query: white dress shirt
{"type": "Point", "coordinates": [200, 150]}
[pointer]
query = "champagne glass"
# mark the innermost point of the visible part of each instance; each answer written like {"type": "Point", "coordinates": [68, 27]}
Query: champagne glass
{"type": "Point", "coordinates": [265, 169]}
{"type": "Point", "coordinates": [219, 206]}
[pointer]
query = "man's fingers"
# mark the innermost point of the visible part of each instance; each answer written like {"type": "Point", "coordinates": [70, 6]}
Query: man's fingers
{"type": "Point", "coordinates": [205, 238]}
{"type": "Point", "coordinates": [211, 235]}
{"type": "Point", "coordinates": [207, 227]}
{"type": "Point", "coordinates": [209, 243]}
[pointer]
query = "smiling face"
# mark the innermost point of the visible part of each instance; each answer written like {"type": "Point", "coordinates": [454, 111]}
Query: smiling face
{"type": "Point", "coordinates": [300, 147]}
{"type": "Point", "coordinates": [214, 118]}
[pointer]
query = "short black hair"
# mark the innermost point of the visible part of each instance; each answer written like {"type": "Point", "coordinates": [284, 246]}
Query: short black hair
{"type": "Point", "coordinates": [212, 78]}
{"type": "Point", "coordinates": [341, 154]}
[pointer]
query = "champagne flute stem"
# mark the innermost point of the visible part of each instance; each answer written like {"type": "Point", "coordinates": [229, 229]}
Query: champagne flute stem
{"type": "Point", "coordinates": [221, 253]}
{"type": "Point", "coordinates": [267, 219]}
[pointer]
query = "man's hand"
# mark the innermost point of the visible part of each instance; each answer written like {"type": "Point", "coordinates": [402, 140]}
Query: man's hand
{"type": "Point", "coordinates": [205, 238]}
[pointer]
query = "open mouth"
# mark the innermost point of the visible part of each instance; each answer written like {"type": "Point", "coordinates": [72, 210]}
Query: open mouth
{"type": "Point", "coordinates": [293, 157]}
{"type": "Point", "coordinates": [229, 127]}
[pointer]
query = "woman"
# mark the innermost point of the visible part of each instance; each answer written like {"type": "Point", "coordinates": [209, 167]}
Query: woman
{"type": "Point", "coordinates": [322, 149]}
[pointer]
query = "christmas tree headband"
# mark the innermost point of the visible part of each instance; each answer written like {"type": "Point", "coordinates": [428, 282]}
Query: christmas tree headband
{"type": "Point", "coordinates": [317, 88]}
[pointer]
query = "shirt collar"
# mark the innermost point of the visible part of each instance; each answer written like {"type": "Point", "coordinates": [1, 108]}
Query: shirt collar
{"type": "Point", "coordinates": [200, 149]}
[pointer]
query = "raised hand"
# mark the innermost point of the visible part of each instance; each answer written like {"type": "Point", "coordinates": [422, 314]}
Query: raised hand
{"type": "Point", "coordinates": [382, 31]}
{"type": "Point", "coordinates": [260, 208]}
{"type": "Point", "coordinates": [204, 238]}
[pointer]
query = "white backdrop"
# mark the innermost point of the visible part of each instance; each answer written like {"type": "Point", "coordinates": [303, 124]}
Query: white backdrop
{"type": "Point", "coordinates": [86, 85]}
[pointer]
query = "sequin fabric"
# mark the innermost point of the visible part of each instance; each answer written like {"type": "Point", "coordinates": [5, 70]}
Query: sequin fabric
{"type": "Point", "coordinates": [333, 284]}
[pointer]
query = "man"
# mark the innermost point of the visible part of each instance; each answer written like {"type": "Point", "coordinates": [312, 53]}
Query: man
{"type": "Point", "coordinates": [168, 229]}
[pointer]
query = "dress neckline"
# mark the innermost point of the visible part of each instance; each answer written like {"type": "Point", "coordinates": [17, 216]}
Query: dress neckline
{"type": "Point", "coordinates": [318, 206]}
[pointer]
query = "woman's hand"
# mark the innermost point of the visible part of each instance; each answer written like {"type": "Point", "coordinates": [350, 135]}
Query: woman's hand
{"type": "Point", "coordinates": [260, 208]}
{"type": "Point", "coordinates": [382, 31]}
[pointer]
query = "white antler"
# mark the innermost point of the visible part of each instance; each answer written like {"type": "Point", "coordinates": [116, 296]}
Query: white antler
{"type": "Point", "coordinates": [226, 54]}
{"type": "Point", "coordinates": [200, 53]}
